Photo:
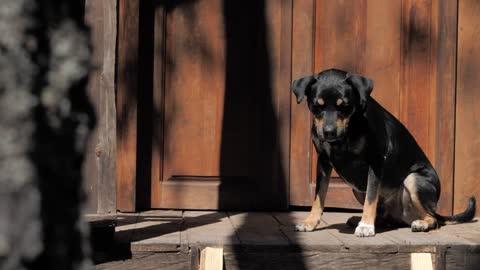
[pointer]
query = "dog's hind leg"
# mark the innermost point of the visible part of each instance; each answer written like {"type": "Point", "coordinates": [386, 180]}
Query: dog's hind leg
{"type": "Point", "coordinates": [415, 212]}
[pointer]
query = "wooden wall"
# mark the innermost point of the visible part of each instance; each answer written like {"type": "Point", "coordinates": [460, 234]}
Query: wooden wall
{"type": "Point", "coordinates": [467, 129]}
{"type": "Point", "coordinates": [424, 51]}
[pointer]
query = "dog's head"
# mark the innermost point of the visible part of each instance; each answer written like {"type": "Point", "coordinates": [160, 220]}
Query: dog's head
{"type": "Point", "coordinates": [333, 96]}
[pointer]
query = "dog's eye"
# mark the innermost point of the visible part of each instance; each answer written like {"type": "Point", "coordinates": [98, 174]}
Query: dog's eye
{"type": "Point", "coordinates": [342, 105]}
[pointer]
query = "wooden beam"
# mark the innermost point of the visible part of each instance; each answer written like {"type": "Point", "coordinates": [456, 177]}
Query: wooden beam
{"type": "Point", "coordinates": [427, 97]}
{"type": "Point", "coordinates": [99, 169]}
{"type": "Point", "coordinates": [444, 50]}
{"type": "Point", "coordinates": [159, 63]}
{"type": "Point", "coordinates": [211, 259]}
{"type": "Point", "coordinates": [127, 107]}
{"type": "Point", "coordinates": [204, 193]}
{"type": "Point", "coordinates": [421, 261]}
{"type": "Point", "coordinates": [302, 65]}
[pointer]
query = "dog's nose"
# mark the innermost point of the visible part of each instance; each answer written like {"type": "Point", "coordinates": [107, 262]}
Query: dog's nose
{"type": "Point", "coordinates": [329, 131]}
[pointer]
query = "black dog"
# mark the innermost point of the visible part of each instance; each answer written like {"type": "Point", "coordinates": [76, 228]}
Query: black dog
{"type": "Point", "coordinates": [373, 152]}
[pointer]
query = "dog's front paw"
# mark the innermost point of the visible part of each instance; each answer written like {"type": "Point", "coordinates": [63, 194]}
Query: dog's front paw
{"type": "Point", "coordinates": [365, 230]}
{"type": "Point", "coordinates": [307, 226]}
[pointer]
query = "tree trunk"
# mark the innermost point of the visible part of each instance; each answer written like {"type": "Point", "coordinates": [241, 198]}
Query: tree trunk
{"type": "Point", "coordinates": [45, 117]}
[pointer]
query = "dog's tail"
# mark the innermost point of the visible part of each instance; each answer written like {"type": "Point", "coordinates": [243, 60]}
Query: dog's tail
{"type": "Point", "coordinates": [465, 216]}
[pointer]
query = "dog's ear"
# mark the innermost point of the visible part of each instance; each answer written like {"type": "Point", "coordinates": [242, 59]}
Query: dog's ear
{"type": "Point", "coordinates": [363, 85]}
{"type": "Point", "coordinates": [301, 86]}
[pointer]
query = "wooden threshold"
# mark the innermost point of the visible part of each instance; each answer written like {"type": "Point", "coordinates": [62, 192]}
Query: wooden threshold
{"type": "Point", "coordinates": [213, 193]}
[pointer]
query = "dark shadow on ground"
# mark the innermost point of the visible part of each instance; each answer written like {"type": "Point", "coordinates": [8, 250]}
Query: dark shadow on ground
{"type": "Point", "coordinates": [251, 134]}
{"type": "Point", "coordinates": [109, 245]}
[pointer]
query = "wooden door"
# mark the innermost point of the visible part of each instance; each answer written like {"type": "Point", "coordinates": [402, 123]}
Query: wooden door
{"type": "Point", "coordinates": [408, 49]}
{"type": "Point", "coordinates": [205, 114]}
{"type": "Point", "coordinates": [221, 84]}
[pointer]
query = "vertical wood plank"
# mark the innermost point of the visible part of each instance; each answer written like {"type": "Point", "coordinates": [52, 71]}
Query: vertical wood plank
{"type": "Point", "coordinates": [158, 105]}
{"type": "Point", "coordinates": [340, 35]}
{"type": "Point", "coordinates": [100, 171]}
{"type": "Point", "coordinates": [467, 140]}
{"type": "Point", "coordinates": [302, 65]}
{"type": "Point", "coordinates": [444, 49]}
{"type": "Point", "coordinates": [382, 52]}
{"type": "Point", "coordinates": [279, 20]}
{"type": "Point", "coordinates": [90, 170]}
{"type": "Point", "coordinates": [416, 81]}
{"type": "Point", "coordinates": [127, 93]}
{"type": "Point", "coordinates": [428, 80]}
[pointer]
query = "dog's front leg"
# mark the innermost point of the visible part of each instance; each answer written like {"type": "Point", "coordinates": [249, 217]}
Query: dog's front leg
{"type": "Point", "coordinates": [324, 171]}
{"type": "Point", "coordinates": [366, 226]}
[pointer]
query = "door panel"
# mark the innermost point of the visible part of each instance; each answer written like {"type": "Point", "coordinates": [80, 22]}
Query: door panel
{"type": "Point", "coordinates": [226, 85]}
{"type": "Point", "coordinates": [194, 91]}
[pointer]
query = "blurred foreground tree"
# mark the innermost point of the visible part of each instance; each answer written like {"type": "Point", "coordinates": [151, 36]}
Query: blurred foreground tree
{"type": "Point", "coordinates": [45, 118]}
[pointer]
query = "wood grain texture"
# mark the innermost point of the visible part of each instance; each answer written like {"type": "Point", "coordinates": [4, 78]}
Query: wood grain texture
{"type": "Point", "coordinates": [461, 259]}
{"type": "Point", "coordinates": [382, 51]}
{"type": "Point", "coordinates": [340, 35]}
{"type": "Point", "coordinates": [416, 71]}
{"type": "Point", "coordinates": [150, 261]}
{"type": "Point", "coordinates": [205, 193]}
{"type": "Point", "coordinates": [258, 229]}
{"type": "Point", "coordinates": [316, 260]}
{"type": "Point", "coordinates": [467, 141]}
{"type": "Point", "coordinates": [159, 62]}
{"type": "Point", "coordinates": [300, 139]}
{"type": "Point", "coordinates": [194, 90]}
{"type": "Point", "coordinates": [127, 94]}
{"type": "Point", "coordinates": [100, 163]}
{"type": "Point", "coordinates": [282, 93]}
{"type": "Point", "coordinates": [443, 104]}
